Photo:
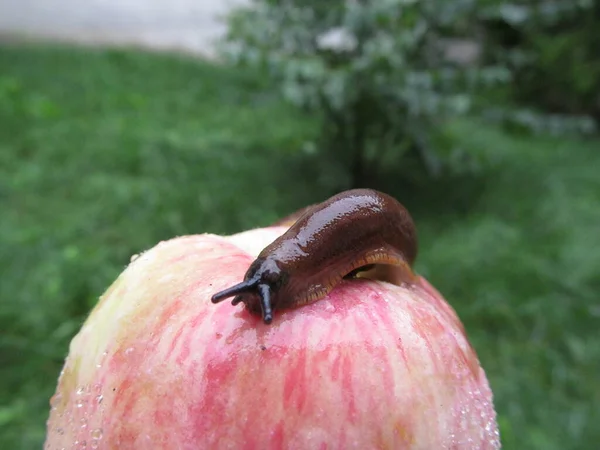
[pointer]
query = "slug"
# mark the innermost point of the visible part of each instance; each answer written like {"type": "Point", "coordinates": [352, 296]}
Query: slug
{"type": "Point", "coordinates": [357, 233]}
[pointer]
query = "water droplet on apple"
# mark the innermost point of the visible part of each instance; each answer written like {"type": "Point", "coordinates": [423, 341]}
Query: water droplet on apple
{"type": "Point", "coordinates": [166, 278]}
{"type": "Point", "coordinates": [97, 434]}
{"type": "Point", "coordinates": [55, 400]}
{"type": "Point", "coordinates": [134, 257]}
{"type": "Point", "coordinates": [83, 422]}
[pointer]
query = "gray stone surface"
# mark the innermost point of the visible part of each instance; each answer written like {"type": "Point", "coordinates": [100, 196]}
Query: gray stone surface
{"type": "Point", "coordinates": [185, 25]}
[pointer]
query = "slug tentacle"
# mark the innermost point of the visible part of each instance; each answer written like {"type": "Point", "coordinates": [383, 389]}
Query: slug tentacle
{"type": "Point", "coordinates": [243, 287]}
{"type": "Point", "coordinates": [265, 302]}
{"type": "Point", "coordinates": [263, 290]}
{"type": "Point", "coordinates": [237, 299]}
{"type": "Point", "coordinates": [356, 234]}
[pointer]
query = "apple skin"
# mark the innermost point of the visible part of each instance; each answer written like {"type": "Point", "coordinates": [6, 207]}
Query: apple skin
{"type": "Point", "coordinates": [372, 366]}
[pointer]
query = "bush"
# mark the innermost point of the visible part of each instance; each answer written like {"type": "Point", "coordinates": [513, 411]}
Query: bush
{"type": "Point", "coordinates": [552, 49]}
{"type": "Point", "coordinates": [377, 73]}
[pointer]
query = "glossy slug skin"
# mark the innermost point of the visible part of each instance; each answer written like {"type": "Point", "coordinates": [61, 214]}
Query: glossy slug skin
{"type": "Point", "coordinates": [354, 230]}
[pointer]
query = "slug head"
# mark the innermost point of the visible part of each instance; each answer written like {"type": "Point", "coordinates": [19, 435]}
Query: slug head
{"type": "Point", "coordinates": [262, 282]}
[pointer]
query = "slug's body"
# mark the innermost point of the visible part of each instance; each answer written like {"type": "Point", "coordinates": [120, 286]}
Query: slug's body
{"type": "Point", "coordinates": [357, 230]}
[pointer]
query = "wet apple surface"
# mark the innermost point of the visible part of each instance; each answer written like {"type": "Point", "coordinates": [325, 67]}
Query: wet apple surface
{"type": "Point", "coordinates": [372, 365]}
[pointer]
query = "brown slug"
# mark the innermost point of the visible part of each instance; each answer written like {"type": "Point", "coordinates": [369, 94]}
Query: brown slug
{"type": "Point", "coordinates": [359, 232]}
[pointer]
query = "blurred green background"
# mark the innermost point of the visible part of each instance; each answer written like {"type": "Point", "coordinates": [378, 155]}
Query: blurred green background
{"type": "Point", "coordinates": [103, 153]}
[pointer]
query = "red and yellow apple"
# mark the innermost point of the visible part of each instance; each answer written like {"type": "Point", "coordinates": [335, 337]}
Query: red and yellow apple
{"type": "Point", "coordinates": [371, 366]}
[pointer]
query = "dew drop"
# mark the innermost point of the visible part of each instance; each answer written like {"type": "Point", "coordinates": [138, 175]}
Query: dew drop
{"type": "Point", "coordinates": [129, 351]}
{"type": "Point", "coordinates": [97, 388]}
{"type": "Point", "coordinates": [55, 400]}
{"type": "Point", "coordinates": [80, 390]}
{"type": "Point", "coordinates": [97, 434]}
{"type": "Point", "coordinates": [134, 257]}
{"type": "Point", "coordinates": [99, 398]}
{"type": "Point", "coordinates": [79, 403]}
{"type": "Point", "coordinates": [83, 422]}
{"type": "Point", "coordinates": [94, 444]}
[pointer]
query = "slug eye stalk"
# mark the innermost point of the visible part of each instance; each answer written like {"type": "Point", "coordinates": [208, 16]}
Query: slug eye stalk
{"type": "Point", "coordinates": [251, 286]}
{"type": "Point", "coordinates": [244, 287]}
{"type": "Point", "coordinates": [264, 292]}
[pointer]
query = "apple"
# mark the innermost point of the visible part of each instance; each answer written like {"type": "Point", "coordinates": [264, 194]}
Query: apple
{"type": "Point", "coordinates": [373, 365]}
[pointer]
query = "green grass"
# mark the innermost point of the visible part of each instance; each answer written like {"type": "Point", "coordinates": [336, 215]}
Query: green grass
{"type": "Point", "coordinates": [103, 154]}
